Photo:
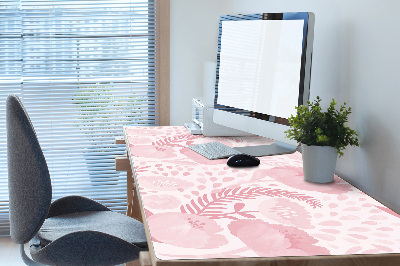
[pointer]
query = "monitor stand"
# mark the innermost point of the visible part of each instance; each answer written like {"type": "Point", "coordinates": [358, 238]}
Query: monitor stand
{"type": "Point", "coordinates": [276, 148]}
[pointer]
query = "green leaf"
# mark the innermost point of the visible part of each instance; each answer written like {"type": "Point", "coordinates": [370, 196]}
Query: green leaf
{"type": "Point", "coordinates": [312, 126]}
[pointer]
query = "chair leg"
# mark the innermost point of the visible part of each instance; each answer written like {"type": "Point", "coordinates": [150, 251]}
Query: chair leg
{"type": "Point", "coordinates": [26, 259]}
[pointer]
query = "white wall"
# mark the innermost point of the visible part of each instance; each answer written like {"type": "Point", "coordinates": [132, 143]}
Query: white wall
{"type": "Point", "coordinates": [194, 41]}
{"type": "Point", "coordinates": [356, 59]}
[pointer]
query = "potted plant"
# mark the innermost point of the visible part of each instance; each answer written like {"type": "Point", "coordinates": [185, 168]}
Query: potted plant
{"type": "Point", "coordinates": [323, 135]}
{"type": "Point", "coordinates": [100, 108]}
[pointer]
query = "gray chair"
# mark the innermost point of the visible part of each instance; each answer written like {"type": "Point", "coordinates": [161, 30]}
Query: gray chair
{"type": "Point", "coordinates": [70, 231]}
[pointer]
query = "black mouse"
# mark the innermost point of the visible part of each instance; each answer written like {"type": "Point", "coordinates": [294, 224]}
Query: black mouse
{"type": "Point", "coordinates": [242, 160]}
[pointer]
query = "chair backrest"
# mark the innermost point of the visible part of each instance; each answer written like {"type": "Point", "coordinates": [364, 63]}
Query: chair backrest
{"type": "Point", "coordinates": [29, 183]}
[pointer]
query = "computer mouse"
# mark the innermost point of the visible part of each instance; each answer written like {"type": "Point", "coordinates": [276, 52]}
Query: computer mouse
{"type": "Point", "coordinates": [242, 160]}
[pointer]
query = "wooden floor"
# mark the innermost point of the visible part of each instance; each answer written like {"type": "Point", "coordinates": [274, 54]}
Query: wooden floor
{"type": "Point", "coordinates": [9, 253]}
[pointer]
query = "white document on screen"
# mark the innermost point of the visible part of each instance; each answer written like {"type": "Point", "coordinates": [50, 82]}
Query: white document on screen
{"type": "Point", "coordinates": [260, 65]}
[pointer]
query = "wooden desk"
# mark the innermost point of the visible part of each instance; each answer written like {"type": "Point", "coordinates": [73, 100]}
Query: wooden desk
{"type": "Point", "coordinates": [202, 212]}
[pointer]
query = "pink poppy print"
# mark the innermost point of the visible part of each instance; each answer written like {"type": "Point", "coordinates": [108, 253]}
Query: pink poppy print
{"type": "Point", "coordinates": [166, 183]}
{"type": "Point", "coordinates": [153, 152]}
{"type": "Point", "coordinates": [186, 230]}
{"type": "Point", "coordinates": [181, 140]}
{"type": "Point", "coordinates": [162, 202]}
{"type": "Point", "coordinates": [197, 208]}
{"type": "Point", "coordinates": [293, 176]}
{"type": "Point", "coordinates": [144, 131]}
{"type": "Point", "coordinates": [286, 212]}
{"type": "Point", "coordinates": [269, 240]}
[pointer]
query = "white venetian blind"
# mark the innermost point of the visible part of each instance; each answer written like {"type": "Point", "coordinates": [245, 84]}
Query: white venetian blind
{"type": "Point", "coordinates": [83, 69]}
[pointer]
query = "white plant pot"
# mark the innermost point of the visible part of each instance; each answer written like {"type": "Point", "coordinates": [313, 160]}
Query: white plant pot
{"type": "Point", "coordinates": [319, 163]}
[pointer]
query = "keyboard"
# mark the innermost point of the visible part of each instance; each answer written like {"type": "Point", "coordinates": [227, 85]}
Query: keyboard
{"type": "Point", "coordinates": [214, 150]}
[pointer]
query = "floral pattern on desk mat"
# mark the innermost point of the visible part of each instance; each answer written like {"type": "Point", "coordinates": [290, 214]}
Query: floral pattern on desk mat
{"type": "Point", "coordinates": [199, 208]}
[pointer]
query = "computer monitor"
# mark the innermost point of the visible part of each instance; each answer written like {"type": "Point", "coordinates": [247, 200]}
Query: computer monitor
{"type": "Point", "coordinates": [263, 73]}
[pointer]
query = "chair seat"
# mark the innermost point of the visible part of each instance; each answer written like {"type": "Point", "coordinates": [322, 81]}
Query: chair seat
{"type": "Point", "coordinates": [108, 222]}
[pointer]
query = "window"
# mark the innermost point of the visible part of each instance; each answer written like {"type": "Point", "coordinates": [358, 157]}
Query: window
{"type": "Point", "coordinates": [83, 69]}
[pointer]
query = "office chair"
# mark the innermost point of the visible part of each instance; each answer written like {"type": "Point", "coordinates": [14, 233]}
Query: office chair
{"type": "Point", "coordinates": [70, 231]}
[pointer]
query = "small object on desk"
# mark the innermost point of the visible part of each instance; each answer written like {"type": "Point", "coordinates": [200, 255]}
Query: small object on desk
{"type": "Point", "coordinates": [242, 160]}
{"type": "Point", "coordinates": [193, 128]}
{"type": "Point", "coordinates": [214, 150]}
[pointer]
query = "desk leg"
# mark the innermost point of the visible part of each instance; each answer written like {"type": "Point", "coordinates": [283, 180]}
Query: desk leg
{"type": "Point", "coordinates": [133, 210]}
{"type": "Point", "coordinates": [144, 260]}
{"type": "Point", "coordinates": [132, 197]}
{"type": "Point", "coordinates": [129, 192]}
{"type": "Point", "coordinates": [133, 263]}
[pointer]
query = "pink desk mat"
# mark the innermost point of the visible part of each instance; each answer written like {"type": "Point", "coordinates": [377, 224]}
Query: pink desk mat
{"type": "Point", "coordinates": [197, 208]}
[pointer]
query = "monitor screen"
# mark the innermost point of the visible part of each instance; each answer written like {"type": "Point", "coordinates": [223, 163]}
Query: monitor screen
{"type": "Point", "coordinates": [263, 71]}
{"type": "Point", "coordinates": [260, 63]}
